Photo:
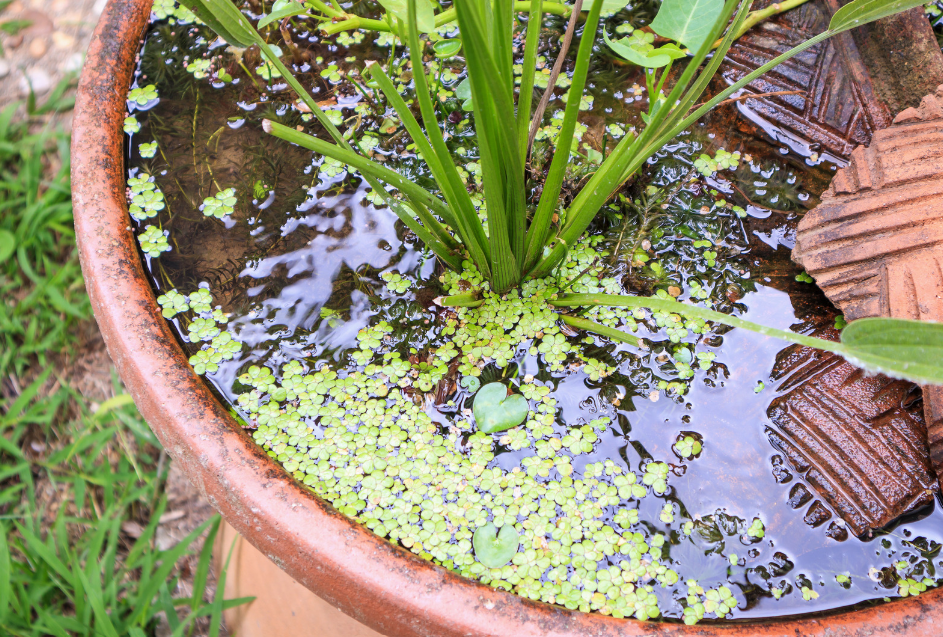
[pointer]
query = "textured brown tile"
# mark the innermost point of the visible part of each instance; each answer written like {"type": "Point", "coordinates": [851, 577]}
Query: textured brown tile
{"type": "Point", "coordinates": [838, 109]}
{"type": "Point", "coordinates": [857, 440]}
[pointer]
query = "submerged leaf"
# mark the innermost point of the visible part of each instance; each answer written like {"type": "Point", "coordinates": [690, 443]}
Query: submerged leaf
{"type": "Point", "coordinates": [463, 92]}
{"type": "Point", "coordinates": [495, 548]}
{"type": "Point", "coordinates": [687, 21]}
{"type": "Point", "coordinates": [496, 411]}
{"type": "Point", "coordinates": [610, 7]}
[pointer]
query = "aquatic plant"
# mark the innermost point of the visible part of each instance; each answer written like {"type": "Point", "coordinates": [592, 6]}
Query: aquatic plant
{"type": "Point", "coordinates": [518, 242]}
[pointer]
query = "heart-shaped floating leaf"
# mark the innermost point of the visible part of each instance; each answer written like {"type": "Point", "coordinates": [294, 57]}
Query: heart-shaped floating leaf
{"type": "Point", "coordinates": [447, 48]}
{"type": "Point", "coordinates": [897, 347]}
{"type": "Point", "coordinates": [495, 548]}
{"type": "Point", "coordinates": [496, 411]}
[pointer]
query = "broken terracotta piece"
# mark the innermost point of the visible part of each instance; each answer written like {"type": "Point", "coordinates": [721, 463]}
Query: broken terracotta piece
{"type": "Point", "coordinates": [843, 89]}
{"type": "Point", "coordinates": [857, 440]}
{"type": "Point", "coordinates": [834, 108]}
{"type": "Point", "coordinates": [875, 243]}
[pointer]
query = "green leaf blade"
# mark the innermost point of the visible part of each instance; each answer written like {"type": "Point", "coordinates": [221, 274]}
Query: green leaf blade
{"type": "Point", "coordinates": [897, 347]}
{"type": "Point", "coordinates": [281, 10]}
{"type": "Point", "coordinates": [425, 14]}
{"type": "Point", "coordinates": [687, 21]}
{"type": "Point", "coordinates": [861, 12]}
{"type": "Point", "coordinates": [225, 20]}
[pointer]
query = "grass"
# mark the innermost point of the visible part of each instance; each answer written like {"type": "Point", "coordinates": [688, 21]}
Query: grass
{"type": "Point", "coordinates": [81, 485]}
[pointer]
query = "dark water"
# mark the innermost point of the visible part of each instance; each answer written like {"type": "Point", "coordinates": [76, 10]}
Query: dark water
{"type": "Point", "coordinates": [298, 244]}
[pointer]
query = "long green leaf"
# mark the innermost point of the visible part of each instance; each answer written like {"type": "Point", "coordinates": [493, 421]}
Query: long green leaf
{"type": "Point", "coordinates": [549, 198]}
{"type": "Point", "coordinates": [897, 347]}
{"type": "Point", "coordinates": [502, 168]}
{"type": "Point", "coordinates": [612, 333]}
{"type": "Point", "coordinates": [862, 12]}
{"type": "Point", "coordinates": [912, 350]}
{"type": "Point", "coordinates": [225, 19]}
{"type": "Point", "coordinates": [469, 225]}
{"type": "Point", "coordinates": [355, 160]}
{"type": "Point", "coordinates": [528, 70]}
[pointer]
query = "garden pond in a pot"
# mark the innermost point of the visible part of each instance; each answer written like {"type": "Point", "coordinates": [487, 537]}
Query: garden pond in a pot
{"type": "Point", "coordinates": [632, 479]}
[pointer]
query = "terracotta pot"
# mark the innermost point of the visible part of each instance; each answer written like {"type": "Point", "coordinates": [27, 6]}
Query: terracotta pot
{"type": "Point", "coordinates": [380, 585]}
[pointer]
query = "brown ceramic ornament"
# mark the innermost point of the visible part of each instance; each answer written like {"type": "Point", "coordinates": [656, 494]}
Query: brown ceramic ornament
{"type": "Point", "coordinates": [875, 243]}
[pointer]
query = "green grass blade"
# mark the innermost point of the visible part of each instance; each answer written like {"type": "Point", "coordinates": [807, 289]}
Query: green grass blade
{"type": "Point", "coordinates": [549, 198]}
{"type": "Point", "coordinates": [5, 576]}
{"type": "Point", "coordinates": [92, 588]}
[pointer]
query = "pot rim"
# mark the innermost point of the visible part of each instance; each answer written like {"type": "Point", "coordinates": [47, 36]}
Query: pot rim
{"type": "Point", "coordinates": [381, 585]}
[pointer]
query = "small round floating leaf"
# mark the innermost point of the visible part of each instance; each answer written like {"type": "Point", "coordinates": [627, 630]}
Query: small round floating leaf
{"type": "Point", "coordinates": [471, 383]}
{"type": "Point", "coordinates": [496, 411]}
{"type": "Point", "coordinates": [495, 548]}
{"type": "Point", "coordinates": [447, 48]}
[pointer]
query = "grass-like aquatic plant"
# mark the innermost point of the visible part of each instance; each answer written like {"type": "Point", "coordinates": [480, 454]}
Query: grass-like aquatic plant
{"type": "Point", "coordinates": [520, 241]}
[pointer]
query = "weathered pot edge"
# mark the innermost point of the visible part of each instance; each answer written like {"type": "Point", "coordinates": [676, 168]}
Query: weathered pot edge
{"type": "Point", "coordinates": [382, 586]}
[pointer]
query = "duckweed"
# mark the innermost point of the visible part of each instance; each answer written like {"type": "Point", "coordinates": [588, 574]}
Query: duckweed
{"type": "Point", "coordinates": [142, 96]}
{"type": "Point", "coordinates": [221, 204]}
{"type": "Point", "coordinates": [131, 125]}
{"type": "Point", "coordinates": [153, 241]}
